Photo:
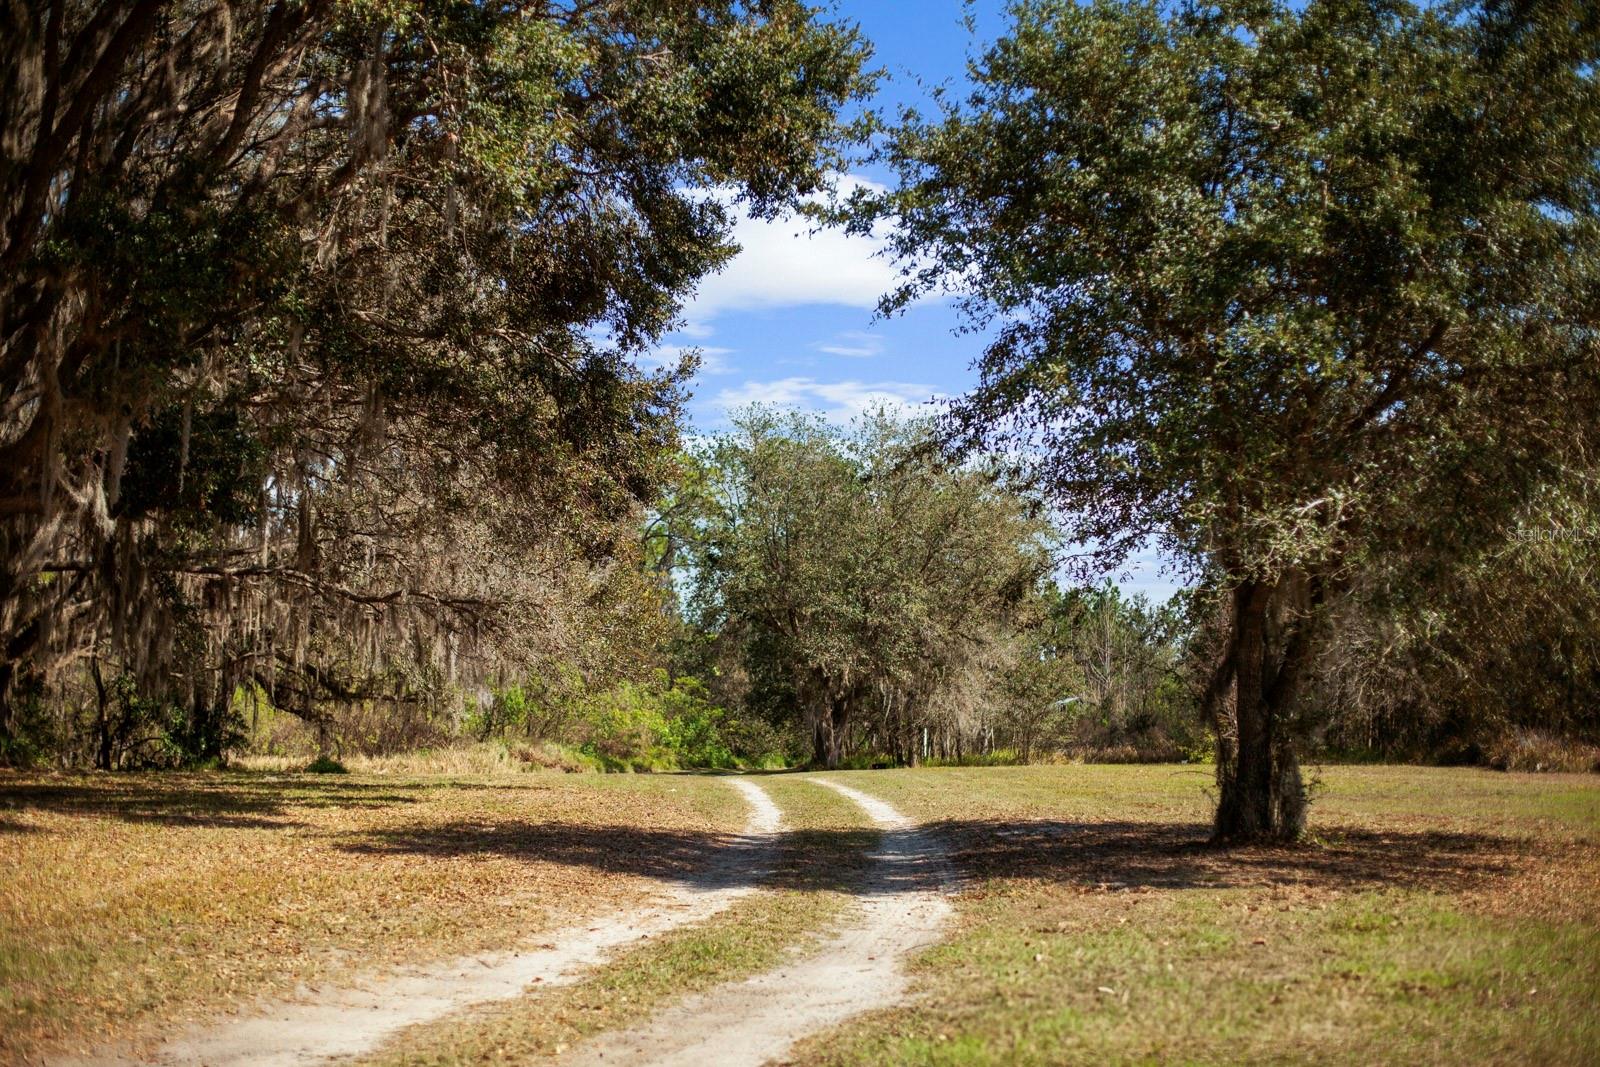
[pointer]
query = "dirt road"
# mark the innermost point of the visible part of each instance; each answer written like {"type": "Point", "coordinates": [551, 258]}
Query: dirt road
{"type": "Point", "coordinates": [901, 906]}
{"type": "Point", "coordinates": [326, 1024]}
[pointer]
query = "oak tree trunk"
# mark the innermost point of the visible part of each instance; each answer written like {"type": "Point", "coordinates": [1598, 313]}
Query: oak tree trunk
{"type": "Point", "coordinates": [1262, 797]}
{"type": "Point", "coordinates": [827, 735]}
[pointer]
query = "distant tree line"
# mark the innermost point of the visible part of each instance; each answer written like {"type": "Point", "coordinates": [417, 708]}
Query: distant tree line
{"type": "Point", "coordinates": [834, 596]}
{"type": "Point", "coordinates": [899, 607]}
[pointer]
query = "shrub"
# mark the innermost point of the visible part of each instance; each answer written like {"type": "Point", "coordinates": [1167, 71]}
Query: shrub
{"type": "Point", "coordinates": [1000, 757]}
{"type": "Point", "coordinates": [694, 726]}
{"type": "Point", "coordinates": [657, 725]}
{"type": "Point", "coordinates": [1534, 750]}
{"type": "Point", "coordinates": [755, 742]}
{"type": "Point", "coordinates": [538, 708]}
{"type": "Point", "coordinates": [325, 765]}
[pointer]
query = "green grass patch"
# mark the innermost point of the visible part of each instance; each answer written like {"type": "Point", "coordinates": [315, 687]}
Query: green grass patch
{"type": "Point", "coordinates": [1442, 916]}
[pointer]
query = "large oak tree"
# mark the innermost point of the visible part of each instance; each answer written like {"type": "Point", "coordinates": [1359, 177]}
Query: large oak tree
{"type": "Point", "coordinates": [1290, 288]}
{"type": "Point", "coordinates": [316, 316]}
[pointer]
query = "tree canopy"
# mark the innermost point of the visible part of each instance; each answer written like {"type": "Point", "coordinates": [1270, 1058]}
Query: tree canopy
{"type": "Point", "coordinates": [864, 579]}
{"type": "Point", "coordinates": [317, 317]}
{"type": "Point", "coordinates": [1291, 289]}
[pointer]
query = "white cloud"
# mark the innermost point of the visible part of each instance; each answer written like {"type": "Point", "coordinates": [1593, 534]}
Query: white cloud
{"type": "Point", "coordinates": [712, 359]}
{"type": "Point", "coordinates": [855, 344]}
{"type": "Point", "coordinates": [836, 401]}
{"type": "Point", "coordinates": [786, 263]}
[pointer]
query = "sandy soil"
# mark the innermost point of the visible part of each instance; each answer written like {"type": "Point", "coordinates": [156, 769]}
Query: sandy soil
{"type": "Point", "coordinates": [902, 905]}
{"type": "Point", "coordinates": [319, 1025]}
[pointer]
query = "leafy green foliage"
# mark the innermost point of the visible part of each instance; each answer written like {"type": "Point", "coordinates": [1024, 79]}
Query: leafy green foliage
{"type": "Point", "coordinates": [859, 580]}
{"type": "Point", "coordinates": [319, 347]}
{"type": "Point", "coordinates": [1267, 279]}
{"type": "Point", "coordinates": [658, 725]}
{"type": "Point", "coordinates": [1289, 289]}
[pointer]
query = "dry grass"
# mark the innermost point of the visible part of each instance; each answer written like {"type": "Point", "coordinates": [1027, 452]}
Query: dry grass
{"type": "Point", "coordinates": [1441, 916]}
{"type": "Point", "coordinates": [822, 852]}
{"type": "Point", "coordinates": [1532, 750]}
{"type": "Point", "coordinates": [132, 900]}
{"type": "Point", "coordinates": [461, 760]}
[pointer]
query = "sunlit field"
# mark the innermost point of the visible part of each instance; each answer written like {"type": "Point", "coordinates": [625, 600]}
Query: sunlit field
{"type": "Point", "coordinates": [1435, 916]}
{"type": "Point", "coordinates": [139, 898]}
{"type": "Point", "coordinates": [1443, 916]}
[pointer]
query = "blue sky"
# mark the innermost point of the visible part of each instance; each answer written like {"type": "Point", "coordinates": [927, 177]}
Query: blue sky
{"type": "Point", "coordinates": [790, 321]}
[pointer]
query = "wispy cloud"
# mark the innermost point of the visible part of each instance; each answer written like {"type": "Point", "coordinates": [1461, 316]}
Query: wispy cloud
{"type": "Point", "coordinates": [855, 344]}
{"type": "Point", "coordinates": [787, 263]}
{"type": "Point", "coordinates": [713, 360]}
{"type": "Point", "coordinates": [695, 329]}
{"type": "Point", "coordinates": [837, 401]}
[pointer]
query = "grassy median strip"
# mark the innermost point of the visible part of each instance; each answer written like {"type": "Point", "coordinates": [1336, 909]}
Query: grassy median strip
{"type": "Point", "coordinates": [132, 901]}
{"type": "Point", "coordinates": [823, 851]}
{"type": "Point", "coordinates": [1441, 916]}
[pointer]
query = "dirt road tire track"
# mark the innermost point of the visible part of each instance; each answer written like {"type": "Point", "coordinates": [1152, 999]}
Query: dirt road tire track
{"type": "Point", "coordinates": [903, 902]}
{"type": "Point", "coordinates": [315, 1027]}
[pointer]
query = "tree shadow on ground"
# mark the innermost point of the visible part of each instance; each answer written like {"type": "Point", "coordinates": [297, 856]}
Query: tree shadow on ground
{"type": "Point", "coordinates": [812, 859]}
{"type": "Point", "coordinates": [192, 799]}
{"type": "Point", "coordinates": [1087, 855]}
{"type": "Point", "coordinates": [1157, 855]}
{"type": "Point", "coordinates": [655, 853]}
